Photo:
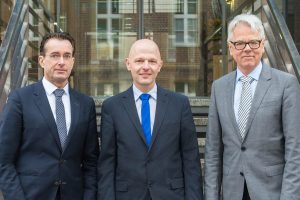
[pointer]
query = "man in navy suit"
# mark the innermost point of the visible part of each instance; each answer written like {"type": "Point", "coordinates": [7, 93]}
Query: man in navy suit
{"type": "Point", "coordinates": [48, 144]}
{"type": "Point", "coordinates": [160, 162]}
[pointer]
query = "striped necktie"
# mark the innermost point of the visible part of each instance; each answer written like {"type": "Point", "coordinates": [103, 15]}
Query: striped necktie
{"type": "Point", "coordinates": [245, 103]}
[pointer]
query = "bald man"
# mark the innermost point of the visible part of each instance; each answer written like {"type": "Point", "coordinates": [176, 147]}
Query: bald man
{"type": "Point", "coordinates": [149, 143]}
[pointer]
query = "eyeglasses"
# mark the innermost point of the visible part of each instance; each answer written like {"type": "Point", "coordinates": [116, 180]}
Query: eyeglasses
{"type": "Point", "coordinates": [240, 45]}
{"type": "Point", "coordinates": [57, 57]}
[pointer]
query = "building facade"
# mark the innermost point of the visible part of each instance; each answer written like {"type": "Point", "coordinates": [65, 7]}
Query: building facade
{"type": "Point", "coordinates": [189, 33]}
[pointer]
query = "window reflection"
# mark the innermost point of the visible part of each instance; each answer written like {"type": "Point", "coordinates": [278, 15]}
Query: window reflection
{"type": "Point", "coordinates": [174, 25]}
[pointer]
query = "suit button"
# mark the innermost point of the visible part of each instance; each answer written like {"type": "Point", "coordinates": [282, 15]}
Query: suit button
{"type": "Point", "coordinates": [241, 173]}
{"type": "Point", "coordinates": [243, 148]}
{"type": "Point", "coordinates": [62, 161]}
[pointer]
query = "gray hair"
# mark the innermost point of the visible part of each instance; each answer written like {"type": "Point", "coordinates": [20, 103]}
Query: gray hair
{"type": "Point", "coordinates": [248, 19]}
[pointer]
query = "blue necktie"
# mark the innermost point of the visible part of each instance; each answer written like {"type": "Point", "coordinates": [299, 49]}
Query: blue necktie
{"type": "Point", "coordinates": [146, 117]}
{"type": "Point", "coordinates": [60, 116]}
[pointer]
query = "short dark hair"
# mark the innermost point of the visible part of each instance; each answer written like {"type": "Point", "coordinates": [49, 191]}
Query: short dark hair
{"type": "Point", "coordinates": [59, 36]}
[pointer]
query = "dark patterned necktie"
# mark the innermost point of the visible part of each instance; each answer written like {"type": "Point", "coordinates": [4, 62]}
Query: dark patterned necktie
{"type": "Point", "coordinates": [145, 115]}
{"type": "Point", "coordinates": [245, 103]}
{"type": "Point", "coordinates": [60, 116]}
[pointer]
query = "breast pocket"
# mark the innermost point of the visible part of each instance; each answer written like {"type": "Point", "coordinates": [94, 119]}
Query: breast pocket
{"type": "Point", "coordinates": [270, 103]}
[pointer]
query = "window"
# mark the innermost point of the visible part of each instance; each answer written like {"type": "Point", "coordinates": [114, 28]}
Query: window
{"type": "Point", "coordinates": [186, 24]}
{"type": "Point", "coordinates": [109, 24]}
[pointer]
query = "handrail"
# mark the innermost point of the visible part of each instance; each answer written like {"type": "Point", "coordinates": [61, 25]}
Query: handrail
{"type": "Point", "coordinates": [286, 37]}
{"type": "Point", "coordinates": [8, 40]}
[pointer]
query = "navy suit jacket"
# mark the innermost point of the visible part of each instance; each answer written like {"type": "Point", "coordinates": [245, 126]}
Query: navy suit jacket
{"type": "Point", "coordinates": [128, 170]}
{"type": "Point", "coordinates": [32, 163]}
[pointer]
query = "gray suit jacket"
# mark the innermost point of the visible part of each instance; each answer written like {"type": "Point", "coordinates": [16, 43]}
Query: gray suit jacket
{"type": "Point", "coordinates": [170, 169]}
{"type": "Point", "coordinates": [269, 156]}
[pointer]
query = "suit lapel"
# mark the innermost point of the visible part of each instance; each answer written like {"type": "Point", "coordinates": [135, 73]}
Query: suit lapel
{"type": "Point", "coordinates": [75, 112]}
{"type": "Point", "coordinates": [230, 97]}
{"type": "Point", "coordinates": [161, 107]}
{"type": "Point", "coordinates": [260, 91]}
{"type": "Point", "coordinates": [43, 105]}
{"type": "Point", "coordinates": [130, 107]}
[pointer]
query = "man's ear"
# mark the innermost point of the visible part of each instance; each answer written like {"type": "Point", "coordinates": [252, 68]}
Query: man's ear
{"type": "Point", "coordinates": [127, 63]}
{"type": "Point", "coordinates": [41, 60]}
{"type": "Point", "coordinates": [161, 65]}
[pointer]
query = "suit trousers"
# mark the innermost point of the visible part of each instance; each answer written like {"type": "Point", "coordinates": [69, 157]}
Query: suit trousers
{"type": "Point", "coordinates": [246, 193]}
{"type": "Point", "coordinates": [58, 194]}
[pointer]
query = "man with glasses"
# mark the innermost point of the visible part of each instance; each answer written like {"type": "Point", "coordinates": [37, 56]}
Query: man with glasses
{"type": "Point", "coordinates": [253, 143]}
{"type": "Point", "coordinates": [48, 134]}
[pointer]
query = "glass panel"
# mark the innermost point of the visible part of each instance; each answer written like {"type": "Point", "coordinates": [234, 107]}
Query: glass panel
{"type": "Point", "coordinates": [176, 33]}
{"type": "Point", "coordinates": [102, 7]}
{"type": "Point", "coordinates": [180, 6]}
{"type": "Point", "coordinates": [105, 29]}
{"type": "Point", "coordinates": [192, 24]}
{"type": "Point", "coordinates": [179, 23]}
{"type": "Point", "coordinates": [293, 19]}
{"type": "Point", "coordinates": [115, 7]}
{"type": "Point", "coordinates": [192, 6]}
{"type": "Point", "coordinates": [104, 32]}
{"type": "Point", "coordinates": [5, 12]}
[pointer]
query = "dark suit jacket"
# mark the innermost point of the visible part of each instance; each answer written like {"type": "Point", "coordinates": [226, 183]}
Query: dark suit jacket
{"type": "Point", "coordinates": [169, 170]}
{"type": "Point", "coordinates": [32, 162]}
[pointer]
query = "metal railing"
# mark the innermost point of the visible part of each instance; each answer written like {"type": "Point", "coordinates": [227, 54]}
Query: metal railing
{"type": "Point", "coordinates": [10, 47]}
{"type": "Point", "coordinates": [280, 48]}
{"type": "Point", "coordinates": [29, 20]}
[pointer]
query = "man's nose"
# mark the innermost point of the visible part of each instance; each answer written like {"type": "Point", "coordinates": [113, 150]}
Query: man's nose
{"type": "Point", "coordinates": [247, 47]}
{"type": "Point", "coordinates": [61, 60]}
{"type": "Point", "coordinates": [146, 64]}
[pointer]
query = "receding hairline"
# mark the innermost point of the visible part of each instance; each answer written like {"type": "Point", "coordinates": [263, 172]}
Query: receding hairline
{"type": "Point", "coordinates": [143, 42]}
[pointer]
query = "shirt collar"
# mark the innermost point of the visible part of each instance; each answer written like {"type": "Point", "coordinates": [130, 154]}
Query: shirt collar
{"type": "Point", "coordinates": [254, 74]}
{"type": "Point", "coordinates": [50, 87]}
{"type": "Point", "coordinates": [137, 93]}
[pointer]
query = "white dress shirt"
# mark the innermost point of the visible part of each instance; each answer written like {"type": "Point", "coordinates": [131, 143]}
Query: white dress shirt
{"type": "Point", "coordinates": [152, 101]}
{"type": "Point", "coordinates": [50, 88]}
{"type": "Point", "coordinates": [238, 86]}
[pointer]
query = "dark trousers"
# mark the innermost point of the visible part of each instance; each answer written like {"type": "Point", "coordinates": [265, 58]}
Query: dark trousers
{"type": "Point", "coordinates": [58, 194]}
{"type": "Point", "coordinates": [246, 193]}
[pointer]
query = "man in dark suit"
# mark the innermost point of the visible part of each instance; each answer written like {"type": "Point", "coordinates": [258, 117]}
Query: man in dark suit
{"type": "Point", "coordinates": [252, 148]}
{"type": "Point", "coordinates": [158, 160]}
{"type": "Point", "coordinates": [48, 141]}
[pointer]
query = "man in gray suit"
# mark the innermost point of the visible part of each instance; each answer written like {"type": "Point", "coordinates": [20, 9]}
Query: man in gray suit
{"type": "Point", "coordinates": [253, 142]}
{"type": "Point", "coordinates": [158, 160]}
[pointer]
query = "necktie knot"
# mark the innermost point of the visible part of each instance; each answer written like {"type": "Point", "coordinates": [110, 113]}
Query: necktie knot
{"type": "Point", "coordinates": [59, 92]}
{"type": "Point", "coordinates": [246, 79]}
{"type": "Point", "coordinates": [145, 96]}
